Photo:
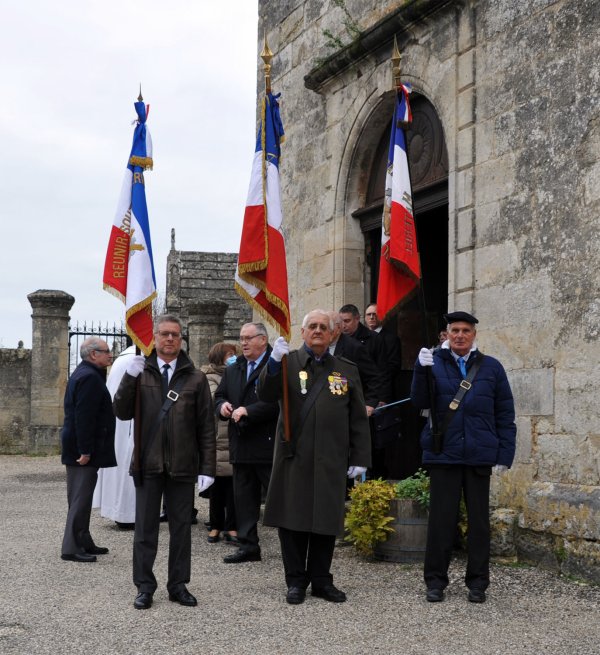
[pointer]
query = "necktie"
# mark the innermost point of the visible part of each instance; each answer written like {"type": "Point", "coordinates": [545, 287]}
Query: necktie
{"type": "Point", "coordinates": [165, 378]}
{"type": "Point", "coordinates": [462, 366]}
{"type": "Point", "coordinates": [251, 366]}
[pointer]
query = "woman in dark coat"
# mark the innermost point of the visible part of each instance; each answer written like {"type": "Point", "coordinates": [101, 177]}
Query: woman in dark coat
{"type": "Point", "coordinates": [221, 506]}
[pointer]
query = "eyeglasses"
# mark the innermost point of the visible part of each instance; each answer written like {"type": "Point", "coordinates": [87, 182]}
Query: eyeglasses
{"type": "Point", "coordinates": [317, 326]}
{"type": "Point", "coordinates": [166, 335]}
{"type": "Point", "coordinates": [249, 339]}
{"type": "Point", "coordinates": [106, 351]}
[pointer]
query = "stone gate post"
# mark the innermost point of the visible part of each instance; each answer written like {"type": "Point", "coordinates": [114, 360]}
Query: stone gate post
{"type": "Point", "coordinates": [205, 327]}
{"type": "Point", "coordinates": [49, 366]}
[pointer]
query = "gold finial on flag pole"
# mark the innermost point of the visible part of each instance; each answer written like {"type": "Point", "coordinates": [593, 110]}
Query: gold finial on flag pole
{"type": "Point", "coordinates": [140, 99]}
{"type": "Point", "coordinates": [266, 55]}
{"type": "Point", "coordinates": [396, 58]}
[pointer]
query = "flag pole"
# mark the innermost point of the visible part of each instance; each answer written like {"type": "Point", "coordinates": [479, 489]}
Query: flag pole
{"type": "Point", "coordinates": [267, 56]}
{"type": "Point", "coordinates": [437, 436]}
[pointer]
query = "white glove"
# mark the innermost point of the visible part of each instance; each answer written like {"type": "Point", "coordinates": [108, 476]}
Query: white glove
{"type": "Point", "coordinates": [356, 471]}
{"type": "Point", "coordinates": [425, 357]}
{"type": "Point", "coordinates": [204, 482]}
{"type": "Point", "coordinates": [136, 365]}
{"type": "Point", "coordinates": [499, 469]}
{"type": "Point", "coordinates": [280, 348]}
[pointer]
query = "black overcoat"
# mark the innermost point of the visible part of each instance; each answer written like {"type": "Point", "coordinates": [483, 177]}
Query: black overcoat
{"type": "Point", "coordinates": [308, 482]}
{"type": "Point", "coordinates": [251, 440]}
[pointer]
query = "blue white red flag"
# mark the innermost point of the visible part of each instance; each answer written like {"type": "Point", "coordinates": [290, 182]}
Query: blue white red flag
{"type": "Point", "coordinates": [129, 267]}
{"type": "Point", "coordinates": [399, 267]}
{"type": "Point", "coordinates": [261, 276]}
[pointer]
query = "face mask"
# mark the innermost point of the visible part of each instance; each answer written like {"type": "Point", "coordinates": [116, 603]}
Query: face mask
{"type": "Point", "coordinates": [230, 360]}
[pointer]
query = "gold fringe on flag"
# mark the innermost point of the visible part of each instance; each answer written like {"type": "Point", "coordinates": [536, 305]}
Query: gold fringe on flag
{"type": "Point", "coordinates": [143, 162]}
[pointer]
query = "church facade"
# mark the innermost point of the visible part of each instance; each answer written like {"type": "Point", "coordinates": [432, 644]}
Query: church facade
{"type": "Point", "coordinates": [504, 151]}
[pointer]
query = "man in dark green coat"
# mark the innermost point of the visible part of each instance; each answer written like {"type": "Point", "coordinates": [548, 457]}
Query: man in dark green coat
{"type": "Point", "coordinates": [329, 439]}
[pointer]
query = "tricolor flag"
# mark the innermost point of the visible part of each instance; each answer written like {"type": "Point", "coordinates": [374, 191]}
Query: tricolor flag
{"type": "Point", "coordinates": [129, 268]}
{"type": "Point", "coordinates": [399, 267]}
{"type": "Point", "coordinates": [261, 276]}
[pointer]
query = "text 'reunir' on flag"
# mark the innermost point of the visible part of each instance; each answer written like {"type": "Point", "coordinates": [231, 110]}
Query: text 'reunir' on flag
{"type": "Point", "coordinates": [399, 267]}
{"type": "Point", "coordinates": [261, 275]}
{"type": "Point", "coordinates": [129, 267]}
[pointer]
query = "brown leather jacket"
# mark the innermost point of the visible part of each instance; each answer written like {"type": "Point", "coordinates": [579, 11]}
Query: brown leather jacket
{"type": "Point", "coordinates": [184, 445]}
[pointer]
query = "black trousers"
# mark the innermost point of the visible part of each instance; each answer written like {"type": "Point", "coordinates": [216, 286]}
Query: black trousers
{"type": "Point", "coordinates": [81, 481]}
{"type": "Point", "coordinates": [179, 498]}
{"type": "Point", "coordinates": [221, 507]}
{"type": "Point", "coordinates": [248, 481]}
{"type": "Point", "coordinates": [447, 486]}
{"type": "Point", "coordinates": [306, 558]}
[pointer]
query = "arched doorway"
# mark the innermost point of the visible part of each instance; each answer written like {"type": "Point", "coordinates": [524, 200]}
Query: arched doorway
{"type": "Point", "coordinates": [428, 162]}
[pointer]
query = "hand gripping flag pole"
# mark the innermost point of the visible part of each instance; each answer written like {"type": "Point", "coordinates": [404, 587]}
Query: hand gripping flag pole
{"type": "Point", "coordinates": [129, 266]}
{"type": "Point", "coordinates": [261, 275]}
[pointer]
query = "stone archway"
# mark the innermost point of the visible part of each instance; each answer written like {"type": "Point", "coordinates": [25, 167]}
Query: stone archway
{"type": "Point", "coordinates": [428, 162]}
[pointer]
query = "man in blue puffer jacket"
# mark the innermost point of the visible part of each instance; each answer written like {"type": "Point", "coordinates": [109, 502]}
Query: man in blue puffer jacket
{"type": "Point", "coordinates": [480, 435]}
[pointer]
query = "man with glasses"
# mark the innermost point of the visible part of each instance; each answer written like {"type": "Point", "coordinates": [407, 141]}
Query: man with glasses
{"type": "Point", "coordinates": [251, 436]}
{"type": "Point", "coordinates": [88, 443]}
{"type": "Point", "coordinates": [329, 441]}
{"type": "Point", "coordinates": [178, 445]}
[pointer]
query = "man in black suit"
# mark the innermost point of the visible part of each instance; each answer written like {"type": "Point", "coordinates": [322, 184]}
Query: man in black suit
{"type": "Point", "coordinates": [344, 346]}
{"type": "Point", "coordinates": [88, 443]}
{"type": "Point", "coordinates": [391, 344]}
{"type": "Point", "coordinates": [252, 425]}
{"type": "Point", "coordinates": [352, 327]}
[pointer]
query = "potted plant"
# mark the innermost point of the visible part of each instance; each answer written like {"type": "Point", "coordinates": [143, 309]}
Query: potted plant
{"type": "Point", "coordinates": [389, 520]}
{"type": "Point", "coordinates": [409, 509]}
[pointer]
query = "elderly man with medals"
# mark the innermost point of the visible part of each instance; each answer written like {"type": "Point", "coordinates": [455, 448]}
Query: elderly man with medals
{"type": "Point", "coordinates": [329, 439]}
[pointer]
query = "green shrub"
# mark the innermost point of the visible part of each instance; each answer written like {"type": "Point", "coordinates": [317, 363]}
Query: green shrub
{"type": "Point", "coordinates": [416, 487]}
{"type": "Point", "coordinates": [367, 520]}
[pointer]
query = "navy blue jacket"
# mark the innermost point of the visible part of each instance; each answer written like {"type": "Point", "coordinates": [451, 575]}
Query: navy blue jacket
{"type": "Point", "coordinates": [89, 427]}
{"type": "Point", "coordinates": [482, 431]}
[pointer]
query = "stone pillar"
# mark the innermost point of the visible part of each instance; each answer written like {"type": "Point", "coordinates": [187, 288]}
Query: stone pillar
{"type": "Point", "coordinates": [49, 366]}
{"type": "Point", "coordinates": [205, 328]}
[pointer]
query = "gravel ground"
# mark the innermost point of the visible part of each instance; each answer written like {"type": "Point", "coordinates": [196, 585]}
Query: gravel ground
{"type": "Point", "coordinates": [51, 606]}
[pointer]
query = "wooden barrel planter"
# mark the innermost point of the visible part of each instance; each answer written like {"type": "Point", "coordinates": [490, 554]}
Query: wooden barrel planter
{"type": "Point", "coordinates": [407, 542]}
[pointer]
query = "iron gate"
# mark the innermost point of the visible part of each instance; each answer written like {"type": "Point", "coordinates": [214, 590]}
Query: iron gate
{"type": "Point", "coordinates": [115, 336]}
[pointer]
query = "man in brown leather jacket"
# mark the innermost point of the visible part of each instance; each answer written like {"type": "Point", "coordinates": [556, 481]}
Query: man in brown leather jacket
{"type": "Point", "coordinates": [176, 448]}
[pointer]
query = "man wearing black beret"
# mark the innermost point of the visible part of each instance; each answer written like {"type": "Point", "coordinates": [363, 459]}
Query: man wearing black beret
{"type": "Point", "coordinates": [476, 431]}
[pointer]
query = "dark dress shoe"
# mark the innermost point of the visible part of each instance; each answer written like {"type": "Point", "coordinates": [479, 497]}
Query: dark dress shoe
{"type": "Point", "coordinates": [476, 596]}
{"type": "Point", "coordinates": [213, 539]}
{"type": "Point", "coordinates": [295, 595]}
{"type": "Point", "coordinates": [97, 550]}
{"type": "Point", "coordinates": [330, 593]}
{"type": "Point", "coordinates": [79, 557]}
{"type": "Point", "coordinates": [243, 556]}
{"type": "Point", "coordinates": [163, 518]}
{"type": "Point", "coordinates": [183, 597]}
{"type": "Point", "coordinates": [125, 526]}
{"type": "Point", "coordinates": [434, 595]}
{"type": "Point", "coordinates": [143, 601]}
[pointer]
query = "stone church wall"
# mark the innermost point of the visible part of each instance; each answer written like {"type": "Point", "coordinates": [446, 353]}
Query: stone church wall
{"type": "Point", "coordinates": [517, 88]}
